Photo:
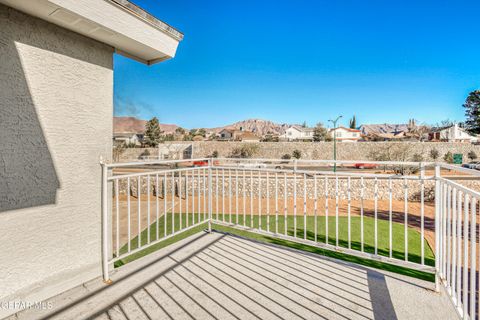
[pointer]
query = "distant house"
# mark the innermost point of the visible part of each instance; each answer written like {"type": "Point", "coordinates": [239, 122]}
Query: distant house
{"type": "Point", "coordinates": [227, 134]}
{"type": "Point", "coordinates": [236, 135]}
{"type": "Point", "coordinates": [127, 138]}
{"type": "Point", "coordinates": [345, 134]}
{"type": "Point", "coordinates": [390, 130]}
{"type": "Point", "coordinates": [452, 133]}
{"type": "Point", "coordinates": [297, 133]}
{"type": "Point", "coordinates": [387, 136]}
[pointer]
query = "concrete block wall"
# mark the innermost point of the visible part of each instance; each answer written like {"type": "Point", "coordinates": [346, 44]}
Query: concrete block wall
{"type": "Point", "coordinates": [309, 150]}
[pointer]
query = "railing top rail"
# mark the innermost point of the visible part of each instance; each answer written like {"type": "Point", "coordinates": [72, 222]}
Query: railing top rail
{"type": "Point", "coordinates": [154, 172]}
{"type": "Point", "coordinates": [142, 163]}
{"type": "Point", "coordinates": [329, 173]}
{"type": "Point", "coordinates": [301, 161]}
{"type": "Point", "coordinates": [472, 172]}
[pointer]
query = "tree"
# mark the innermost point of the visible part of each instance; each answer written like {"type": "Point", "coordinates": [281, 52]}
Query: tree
{"type": "Point", "coordinates": [202, 132]}
{"type": "Point", "coordinates": [167, 137]}
{"type": "Point", "coordinates": [353, 123]}
{"type": "Point", "coordinates": [398, 152]}
{"type": "Point", "coordinates": [448, 157]}
{"type": "Point", "coordinates": [320, 133]}
{"type": "Point", "coordinates": [472, 112]}
{"type": "Point", "coordinates": [179, 133]}
{"type": "Point", "coordinates": [304, 124]}
{"type": "Point", "coordinates": [297, 154]}
{"type": "Point", "coordinates": [434, 154]}
{"type": "Point", "coordinates": [472, 155]}
{"type": "Point", "coordinates": [153, 133]}
{"type": "Point", "coordinates": [118, 151]}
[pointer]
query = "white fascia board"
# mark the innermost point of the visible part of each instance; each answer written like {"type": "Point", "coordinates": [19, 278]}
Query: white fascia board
{"type": "Point", "coordinates": [109, 22]}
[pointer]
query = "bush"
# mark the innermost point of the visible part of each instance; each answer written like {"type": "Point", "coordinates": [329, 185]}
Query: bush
{"type": "Point", "coordinates": [472, 155]}
{"type": "Point", "coordinates": [417, 157]}
{"type": "Point", "coordinates": [297, 154]}
{"type": "Point", "coordinates": [434, 154]}
{"type": "Point", "coordinates": [215, 154]}
{"type": "Point", "coordinates": [286, 156]}
{"type": "Point", "coordinates": [245, 151]}
{"type": "Point", "coordinates": [448, 157]}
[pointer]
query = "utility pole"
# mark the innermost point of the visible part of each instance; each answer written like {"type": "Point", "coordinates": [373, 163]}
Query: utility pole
{"type": "Point", "coordinates": [335, 142]}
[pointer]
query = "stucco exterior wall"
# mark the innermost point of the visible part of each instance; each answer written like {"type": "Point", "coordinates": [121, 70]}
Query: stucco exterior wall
{"type": "Point", "coordinates": [56, 90]}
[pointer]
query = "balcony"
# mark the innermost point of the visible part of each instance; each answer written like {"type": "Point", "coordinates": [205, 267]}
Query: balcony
{"type": "Point", "coordinates": [272, 239]}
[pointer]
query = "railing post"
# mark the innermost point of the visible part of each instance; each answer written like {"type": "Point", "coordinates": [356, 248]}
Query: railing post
{"type": "Point", "coordinates": [210, 163]}
{"type": "Point", "coordinates": [106, 277]}
{"type": "Point", "coordinates": [437, 227]}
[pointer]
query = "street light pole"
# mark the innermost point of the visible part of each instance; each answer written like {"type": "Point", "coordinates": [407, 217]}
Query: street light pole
{"type": "Point", "coordinates": [335, 142]}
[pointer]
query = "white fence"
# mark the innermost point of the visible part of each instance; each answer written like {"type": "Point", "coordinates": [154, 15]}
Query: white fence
{"type": "Point", "coordinates": [377, 214]}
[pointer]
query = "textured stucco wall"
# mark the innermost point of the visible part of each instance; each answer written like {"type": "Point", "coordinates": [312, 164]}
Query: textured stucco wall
{"type": "Point", "coordinates": [56, 108]}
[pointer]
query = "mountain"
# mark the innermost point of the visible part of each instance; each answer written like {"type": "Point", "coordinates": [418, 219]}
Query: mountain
{"type": "Point", "coordinates": [132, 124]}
{"type": "Point", "coordinates": [258, 126]}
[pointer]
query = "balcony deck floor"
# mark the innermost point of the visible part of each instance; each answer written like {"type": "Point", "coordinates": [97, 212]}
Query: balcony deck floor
{"type": "Point", "coordinates": [217, 276]}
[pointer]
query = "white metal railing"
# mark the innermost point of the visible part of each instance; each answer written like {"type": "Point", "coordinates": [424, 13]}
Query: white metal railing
{"type": "Point", "coordinates": [456, 243]}
{"type": "Point", "coordinates": [407, 220]}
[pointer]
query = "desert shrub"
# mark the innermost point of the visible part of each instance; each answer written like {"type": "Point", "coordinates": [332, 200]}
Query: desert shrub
{"type": "Point", "coordinates": [472, 155]}
{"type": "Point", "coordinates": [214, 154]}
{"type": "Point", "coordinates": [286, 156]}
{"type": "Point", "coordinates": [398, 152]}
{"type": "Point", "coordinates": [448, 157]}
{"type": "Point", "coordinates": [417, 157]}
{"type": "Point", "coordinates": [297, 154]}
{"type": "Point", "coordinates": [434, 154]}
{"type": "Point", "coordinates": [245, 151]}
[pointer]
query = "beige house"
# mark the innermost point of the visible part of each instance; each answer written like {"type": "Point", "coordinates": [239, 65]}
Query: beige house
{"type": "Point", "coordinates": [452, 133]}
{"type": "Point", "coordinates": [129, 138]}
{"type": "Point", "coordinates": [56, 84]}
{"type": "Point", "coordinates": [343, 134]}
{"type": "Point", "coordinates": [227, 134]}
{"type": "Point", "coordinates": [237, 135]}
{"type": "Point", "coordinates": [297, 133]}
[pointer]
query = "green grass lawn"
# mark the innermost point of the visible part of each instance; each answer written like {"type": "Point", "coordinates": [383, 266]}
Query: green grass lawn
{"type": "Point", "coordinates": [398, 250]}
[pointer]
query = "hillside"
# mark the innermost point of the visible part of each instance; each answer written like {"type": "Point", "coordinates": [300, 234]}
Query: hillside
{"type": "Point", "coordinates": [132, 124]}
{"type": "Point", "coordinates": [258, 126]}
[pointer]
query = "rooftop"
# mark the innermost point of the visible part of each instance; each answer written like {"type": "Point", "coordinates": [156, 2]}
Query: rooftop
{"type": "Point", "coordinates": [129, 29]}
{"type": "Point", "coordinates": [147, 17]}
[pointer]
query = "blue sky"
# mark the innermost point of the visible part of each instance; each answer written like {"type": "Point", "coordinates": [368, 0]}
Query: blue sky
{"type": "Point", "coordinates": [294, 61]}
